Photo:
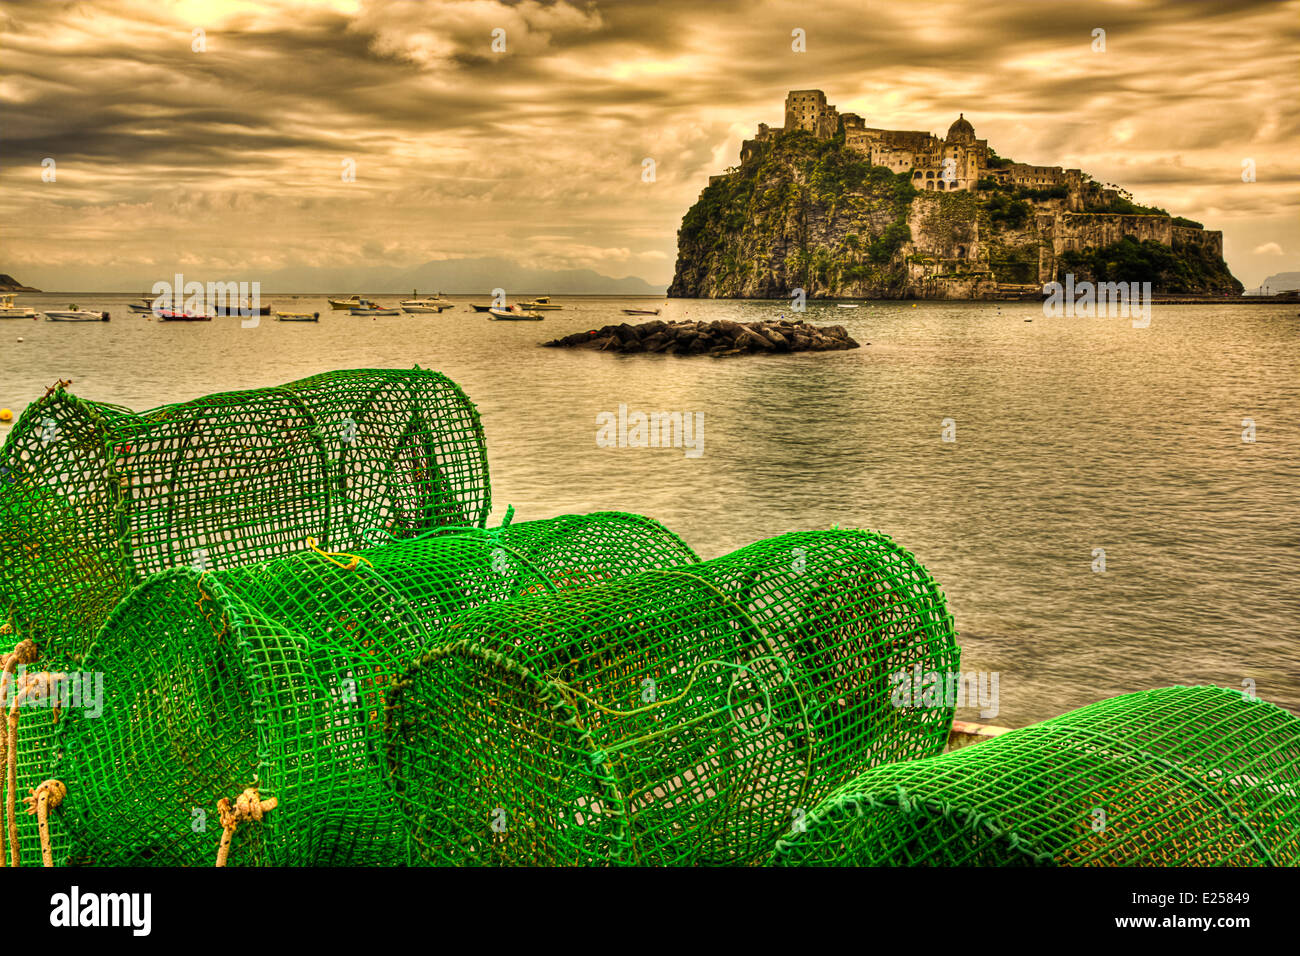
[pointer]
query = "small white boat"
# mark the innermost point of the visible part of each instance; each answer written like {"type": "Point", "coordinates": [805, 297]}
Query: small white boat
{"type": "Point", "coordinates": [73, 314]}
{"type": "Point", "coordinates": [10, 311]}
{"type": "Point", "coordinates": [845, 305]}
{"type": "Point", "coordinates": [515, 314]}
{"type": "Point", "coordinates": [425, 305]}
{"type": "Point", "coordinates": [373, 308]}
{"type": "Point", "coordinates": [297, 316]}
{"type": "Point", "coordinates": [541, 303]}
{"type": "Point", "coordinates": [145, 304]}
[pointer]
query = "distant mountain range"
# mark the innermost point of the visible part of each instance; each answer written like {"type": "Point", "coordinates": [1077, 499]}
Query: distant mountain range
{"type": "Point", "coordinates": [484, 275]}
{"type": "Point", "coordinates": [452, 276]}
{"type": "Point", "coordinates": [1279, 282]}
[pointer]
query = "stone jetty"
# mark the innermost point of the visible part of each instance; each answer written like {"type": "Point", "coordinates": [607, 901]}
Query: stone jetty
{"type": "Point", "coordinates": [720, 337]}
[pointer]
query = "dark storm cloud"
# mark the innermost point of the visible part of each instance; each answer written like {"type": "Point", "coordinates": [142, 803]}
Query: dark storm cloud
{"type": "Point", "coordinates": [455, 144]}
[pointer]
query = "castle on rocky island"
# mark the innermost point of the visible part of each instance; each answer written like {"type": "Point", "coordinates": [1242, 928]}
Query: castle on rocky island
{"type": "Point", "coordinates": [795, 214]}
{"type": "Point", "coordinates": [957, 162]}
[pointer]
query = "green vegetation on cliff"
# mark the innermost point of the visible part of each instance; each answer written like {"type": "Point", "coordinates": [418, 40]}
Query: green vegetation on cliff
{"type": "Point", "coordinates": [1194, 270]}
{"type": "Point", "coordinates": [804, 213]}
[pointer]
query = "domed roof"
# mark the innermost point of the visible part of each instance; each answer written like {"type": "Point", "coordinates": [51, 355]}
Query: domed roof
{"type": "Point", "coordinates": [961, 131]}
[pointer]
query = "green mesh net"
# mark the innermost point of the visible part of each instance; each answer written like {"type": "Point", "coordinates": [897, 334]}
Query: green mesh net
{"type": "Point", "coordinates": [275, 676]}
{"type": "Point", "coordinates": [681, 717]}
{"type": "Point", "coordinates": [1181, 776]}
{"type": "Point", "coordinates": [94, 497]}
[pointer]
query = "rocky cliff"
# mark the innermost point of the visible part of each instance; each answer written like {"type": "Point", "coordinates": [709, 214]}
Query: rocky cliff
{"type": "Point", "coordinates": [9, 284]}
{"type": "Point", "coordinates": [811, 214]}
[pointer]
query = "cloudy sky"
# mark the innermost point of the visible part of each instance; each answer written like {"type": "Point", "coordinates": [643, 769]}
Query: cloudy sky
{"type": "Point", "coordinates": [222, 154]}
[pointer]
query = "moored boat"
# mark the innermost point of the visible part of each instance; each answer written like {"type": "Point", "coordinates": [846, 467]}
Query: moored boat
{"type": "Point", "coordinates": [297, 316]}
{"type": "Point", "coordinates": [515, 314]}
{"type": "Point", "coordinates": [482, 308]}
{"type": "Point", "coordinates": [73, 314]}
{"type": "Point", "coordinates": [242, 310]}
{"type": "Point", "coordinates": [367, 307]}
{"type": "Point", "coordinates": [10, 311]}
{"type": "Point", "coordinates": [425, 305]}
{"type": "Point", "coordinates": [351, 302]}
{"type": "Point", "coordinates": [541, 303]}
{"type": "Point", "coordinates": [640, 311]}
{"type": "Point", "coordinates": [136, 307]}
{"type": "Point", "coordinates": [167, 315]}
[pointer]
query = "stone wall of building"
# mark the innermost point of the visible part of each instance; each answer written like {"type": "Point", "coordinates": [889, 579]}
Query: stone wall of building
{"type": "Point", "coordinates": [1184, 236]}
{"type": "Point", "coordinates": [1079, 230]}
{"type": "Point", "coordinates": [943, 165]}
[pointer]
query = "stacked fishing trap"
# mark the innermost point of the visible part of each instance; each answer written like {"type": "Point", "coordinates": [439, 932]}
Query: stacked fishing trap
{"type": "Point", "coordinates": [272, 628]}
{"type": "Point", "coordinates": [275, 675]}
{"type": "Point", "coordinates": [94, 498]}
{"type": "Point", "coordinates": [681, 717]}
{"type": "Point", "coordinates": [1180, 776]}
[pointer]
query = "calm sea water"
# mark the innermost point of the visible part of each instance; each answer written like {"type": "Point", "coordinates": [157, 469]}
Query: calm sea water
{"type": "Point", "coordinates": [1072, 434]}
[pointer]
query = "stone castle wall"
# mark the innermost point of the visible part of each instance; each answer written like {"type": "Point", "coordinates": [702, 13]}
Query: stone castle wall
{"type": "Point", "coordinates": [1080, 230]}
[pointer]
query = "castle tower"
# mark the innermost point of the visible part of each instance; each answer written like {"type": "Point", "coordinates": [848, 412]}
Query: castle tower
{"type": "Point", "coordinates": [805, 109]}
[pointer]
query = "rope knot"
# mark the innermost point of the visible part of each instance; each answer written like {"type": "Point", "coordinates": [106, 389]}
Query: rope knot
{"type": "Point", "coordinates": [52, 790]}
{"type": "Point", "coordinates": [250, 807]}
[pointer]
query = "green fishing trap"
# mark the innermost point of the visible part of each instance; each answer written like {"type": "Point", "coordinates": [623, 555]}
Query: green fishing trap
{"type": "Point", "coordinates": [274, 676]}
{"type": "Point", "coordinates": [1180, 776]}
{"type": "Point", "coordinates": [669, 718]}
{"type": "Point", "coordinates": [95, 497]}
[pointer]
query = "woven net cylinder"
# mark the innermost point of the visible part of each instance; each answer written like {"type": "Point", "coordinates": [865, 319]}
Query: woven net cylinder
{"type": "Point", "coordinates": [95, 497]}
{"type": "Point", "coordinates": [276, 675]}
{"type": "Point", "coordinates": [683, 717]}
{"type": "Point", "coordinates": [1180, 776]}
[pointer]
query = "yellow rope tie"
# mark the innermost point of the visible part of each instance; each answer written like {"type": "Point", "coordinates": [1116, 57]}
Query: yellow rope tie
{"type": "Point", "coordinates": [331, 555]}
{"type": "Point", "coordinates": [44, 799]}
{"type": "Point", "coordinates": [205, 596]}
{"type": "Point", "coordinates": [34, 685]}
{"type": "Point", "coordinates": [24, 652]}
{"type": "Point", "coordinates": [248, 806]}
{"type": "Point", "coordinates": [649, 707]}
